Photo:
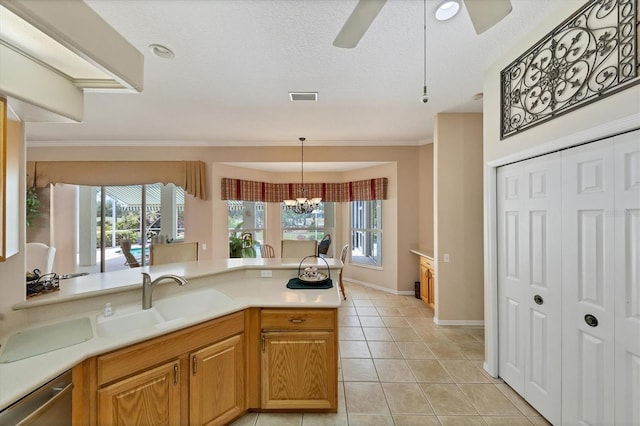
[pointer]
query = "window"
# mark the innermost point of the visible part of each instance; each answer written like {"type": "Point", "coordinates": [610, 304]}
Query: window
{"type": "Point", "coordinates": [127, 215]}
{"type": "Point", "coordinates": [243, 217]}
{"type": "Point", "coordinates": [366, 232]}
{"type": "Point", "coordinates": [310, 226]}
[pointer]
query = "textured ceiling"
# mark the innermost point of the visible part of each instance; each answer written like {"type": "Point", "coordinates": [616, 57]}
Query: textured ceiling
{"type": "Point", "coordinates": [236, 60]}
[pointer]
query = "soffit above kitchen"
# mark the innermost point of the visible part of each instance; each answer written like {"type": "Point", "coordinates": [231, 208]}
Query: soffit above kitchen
{"type": "Point", "coordinates": [52, 52]}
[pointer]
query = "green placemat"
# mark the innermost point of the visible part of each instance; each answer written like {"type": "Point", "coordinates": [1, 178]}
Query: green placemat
{"type": "Point", "coordinates": [298, 284]}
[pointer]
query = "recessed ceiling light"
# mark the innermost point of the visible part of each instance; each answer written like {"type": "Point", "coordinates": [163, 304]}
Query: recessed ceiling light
{"type": "Point", "coordinates": [161, 51]}
{"type": "Point", "coordinates": [447, 10]}
{"type": "Point", "coordinates": [477, 96]}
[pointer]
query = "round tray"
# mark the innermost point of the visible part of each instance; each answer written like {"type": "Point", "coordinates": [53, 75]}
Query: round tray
{"type": "Point", "coordinates": [320, 277]}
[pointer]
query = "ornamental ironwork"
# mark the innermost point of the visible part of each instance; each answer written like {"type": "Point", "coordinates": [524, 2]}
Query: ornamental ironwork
{"type": "Point", "coordinates": [592, 54]}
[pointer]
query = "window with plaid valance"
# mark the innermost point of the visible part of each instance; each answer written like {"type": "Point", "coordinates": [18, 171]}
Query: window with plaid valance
{"type": "Point", "coordinates": [246, 190]}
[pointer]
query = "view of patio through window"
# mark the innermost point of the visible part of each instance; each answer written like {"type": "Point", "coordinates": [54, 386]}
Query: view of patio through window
{"type": "Point", "coordinates": [245, 217]}
{"type": "Point", "coordinates": [366, 232]}
{"type": "Point", "coordinates": [309, 226]}
{"type": "Point", "coordinates": [135, 213]}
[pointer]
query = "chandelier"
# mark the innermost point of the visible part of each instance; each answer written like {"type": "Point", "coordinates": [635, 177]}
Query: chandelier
{"type": "Point", "coordinates": [302, 204]}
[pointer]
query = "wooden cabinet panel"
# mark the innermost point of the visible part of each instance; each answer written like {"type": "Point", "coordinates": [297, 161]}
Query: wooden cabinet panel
{"type": "Point", "coordinates": [298, 319]}
{"type": "Point", "coordinates": [299, 370]}
{"type": "Point", "coordinates": [217, 383]}
{"type": "Point", "coordinates": [151, 397]}
{"type": "Point", "coordinates": [427, 281]}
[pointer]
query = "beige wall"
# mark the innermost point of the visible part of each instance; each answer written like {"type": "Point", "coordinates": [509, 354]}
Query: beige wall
{"type": "Point", "coordinates": [596, 120]}
{"type": "Point", "coordinates": [425, 200]}
{"type": "Point", "coordinates": [458, 195]}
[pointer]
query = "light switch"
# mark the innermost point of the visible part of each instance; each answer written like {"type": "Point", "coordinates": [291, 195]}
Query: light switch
{"type": "Point", "coordinates": [446, 257]}
{"type": "Point", "coordinates": [204, 246]}
{"type": "Point", "coordinates": [266, 274]}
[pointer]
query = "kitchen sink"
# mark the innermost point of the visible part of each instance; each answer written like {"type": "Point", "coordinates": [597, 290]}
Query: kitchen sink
{"type": "Point", "coordinates": [128, 322]}
{"type": "Point", "coordinates": [191, 303]}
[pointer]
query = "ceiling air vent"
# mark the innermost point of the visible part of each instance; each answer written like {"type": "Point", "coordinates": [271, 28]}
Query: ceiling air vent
{"type": "Point", "coordinates": [303, 96]}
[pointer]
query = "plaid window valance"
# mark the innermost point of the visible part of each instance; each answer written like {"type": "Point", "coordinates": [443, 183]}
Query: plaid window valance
{"type": "Point", "coordinates": [246, 190]}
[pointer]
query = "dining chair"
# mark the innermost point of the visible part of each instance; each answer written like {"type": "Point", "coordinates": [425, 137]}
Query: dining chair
{"type": "Point", "coordinates": [343, 257]}
{"type": "Point", "coordinates": [324, 244]}
{"type": "Point", "coordinates": [298, 248]}
{"type": "Point", "coordinates": [40, 256]}
{"type": "Point", "coordinates": [173, 253]}
{"type": "Point", "coordinates": [267, 251]}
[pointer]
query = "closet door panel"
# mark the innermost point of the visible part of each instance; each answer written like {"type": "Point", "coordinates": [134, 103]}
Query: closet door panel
{"type": "Point", "coordinates": [588, 255]}
{"type": "Point", "coordinates": [627, 278]}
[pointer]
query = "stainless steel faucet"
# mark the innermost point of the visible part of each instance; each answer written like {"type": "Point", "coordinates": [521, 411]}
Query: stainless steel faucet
{"type": "Point", "coordinates": [148, 286]}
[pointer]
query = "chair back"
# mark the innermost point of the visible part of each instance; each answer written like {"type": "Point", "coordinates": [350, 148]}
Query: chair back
{"type": "Point", "coordinates": [267, 251]}
{"type": "Point", "coordinates": [323, 246]}
{"type": "Point", "coordinates": [297, 249]}
{"type": "Point", "coordinates": [131, 260]}
{"type": "Point", "coordinates": [40, 256]}
{"type": "Point", "coordinates": [343, 254]}
{"type": "Point", "coordinates": [173, 253]}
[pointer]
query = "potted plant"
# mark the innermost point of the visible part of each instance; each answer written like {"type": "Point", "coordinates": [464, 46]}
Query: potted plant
{"type": "Point", "coordinates": [33, 206]}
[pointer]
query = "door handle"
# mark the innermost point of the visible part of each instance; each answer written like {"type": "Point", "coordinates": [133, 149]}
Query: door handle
{"type": "Point", "coordinates": [591, 320]}
{"type": "Point", "coordinates": [538, 299]}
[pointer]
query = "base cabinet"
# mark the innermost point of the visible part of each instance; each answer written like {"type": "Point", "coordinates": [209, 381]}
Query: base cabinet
{"type": "Point", "coordinates": [151, 397]}
{"type": "Point", "coordinates": [194, 376]}
{"type": "Point", "coordinates": [299, 359]}
{"type": "Point", "coordinates": [427, 281]}
{"type": "Point", "coordinates": [216, 385]}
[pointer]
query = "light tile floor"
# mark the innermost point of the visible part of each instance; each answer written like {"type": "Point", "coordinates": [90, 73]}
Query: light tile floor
{"type": "Point", "coordinates": [398, 368]}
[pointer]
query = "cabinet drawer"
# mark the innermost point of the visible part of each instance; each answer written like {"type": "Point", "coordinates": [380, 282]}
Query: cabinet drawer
{"type": "Point", "coordinates": [426, 262]}
{"type": "Point", "coordinates": [298, 319]}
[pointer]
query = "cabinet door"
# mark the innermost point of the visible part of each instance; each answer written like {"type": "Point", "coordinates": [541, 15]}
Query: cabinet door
{"type": "Point", "coordinates": [431, 286]}
{"type": "Point", "coordinates": [217, 383]}
{"type": "Point", "coordinates": [299, 370]}
{"type": "Point", "coordinates": [151, 397]}
{"type": "Point", "coordinates": [424, 283]}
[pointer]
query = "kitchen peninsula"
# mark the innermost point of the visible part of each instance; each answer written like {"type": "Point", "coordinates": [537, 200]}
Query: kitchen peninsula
{"type": "Point", "coordinates": [234, 321]}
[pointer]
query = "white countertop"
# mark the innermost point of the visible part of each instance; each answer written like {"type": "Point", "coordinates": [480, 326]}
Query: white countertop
{"type": "Point", "coordinates": [428, 253]}
{"type": "Point", "coordinates": [238, 279]}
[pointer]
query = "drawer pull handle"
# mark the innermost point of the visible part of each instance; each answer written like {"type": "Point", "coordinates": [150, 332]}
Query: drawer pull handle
{"type": "Point", "coordinates": [296, 321]}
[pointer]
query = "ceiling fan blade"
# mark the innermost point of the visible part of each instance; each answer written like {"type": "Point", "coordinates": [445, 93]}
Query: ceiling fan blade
{"type": "Point", "coordinates": [358, 23]}
{"type": "Point", "coordinates": [485, 14]}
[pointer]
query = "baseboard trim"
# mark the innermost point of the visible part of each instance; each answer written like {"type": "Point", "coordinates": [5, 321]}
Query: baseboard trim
{"type": "Point", "coordinates": [377, 287]}
{"type": "Point", "coordinates": [462, 323]}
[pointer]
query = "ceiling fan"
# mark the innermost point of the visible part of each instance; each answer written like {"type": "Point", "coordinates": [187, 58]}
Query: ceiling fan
{"type": "Point", "coordinates": [483, 13]}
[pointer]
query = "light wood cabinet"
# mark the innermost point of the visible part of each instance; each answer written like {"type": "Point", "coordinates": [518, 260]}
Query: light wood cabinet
{"type": "Point", "coordinates": [299, 364]}
{"type": "Point", "coordinates": [427, 281]}
{"type": "Point", "coordinates": [217, 383]}
{"type": "Point", "coordinates": [151, 397]}
{"type": "Point", "coordinates": [194, 376]}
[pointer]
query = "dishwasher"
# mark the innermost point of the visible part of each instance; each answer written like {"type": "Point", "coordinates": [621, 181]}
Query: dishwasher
{"type": "Point", "coordinates": [49, 405]}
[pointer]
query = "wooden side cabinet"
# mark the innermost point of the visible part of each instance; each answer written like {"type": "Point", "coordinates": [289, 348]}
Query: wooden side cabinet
{"type": "Point", "coordinates": [299, 359]}
{"type": "Point", "coordinates": [427, 281]}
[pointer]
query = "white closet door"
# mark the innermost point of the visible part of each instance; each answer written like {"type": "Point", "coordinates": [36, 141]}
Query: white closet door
{"type": "Point", "coordinates": [588, 262]}
{"type": "Point", "coordinates": [627, 278]}
{"type": "Point", "coordinates": [529, 283]}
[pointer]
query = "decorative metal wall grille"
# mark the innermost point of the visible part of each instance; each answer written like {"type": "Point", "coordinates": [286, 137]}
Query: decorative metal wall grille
{"type": "Point", "coordinates": [592, 54]}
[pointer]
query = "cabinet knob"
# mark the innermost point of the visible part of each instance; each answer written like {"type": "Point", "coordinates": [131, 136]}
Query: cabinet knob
{"type": "Point", "coordinates": [591, 320]}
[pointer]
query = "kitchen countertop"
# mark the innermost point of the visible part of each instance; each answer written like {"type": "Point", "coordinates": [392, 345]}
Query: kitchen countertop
{"type": "Point", "coordinates": [428, 253]}
{"type": "Point", "coordinates": [239, 279]}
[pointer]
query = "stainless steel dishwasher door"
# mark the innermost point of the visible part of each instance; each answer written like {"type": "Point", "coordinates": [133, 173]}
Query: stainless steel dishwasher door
{"type": "Point", "coordinates": [49, 405]}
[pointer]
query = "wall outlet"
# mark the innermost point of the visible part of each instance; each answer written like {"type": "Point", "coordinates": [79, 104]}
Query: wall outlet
{"type": "Point", "coordinates": [266, 274]}
{"type": "Point", "coordinates": [203, 246]}
{"type": "Point", "coordinates": [446, 257]}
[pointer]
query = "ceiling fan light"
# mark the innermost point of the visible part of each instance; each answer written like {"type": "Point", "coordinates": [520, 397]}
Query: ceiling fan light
{"type": "Point", "coordinates": [447, 10]}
